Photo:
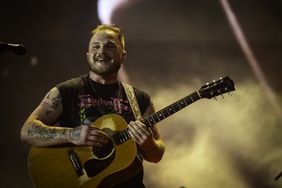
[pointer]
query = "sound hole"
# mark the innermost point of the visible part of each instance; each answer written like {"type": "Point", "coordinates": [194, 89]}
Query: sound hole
{"type": "Point", "coordinates": [104, 157]}
{"type": "Point", "coordinates": [104, 151]}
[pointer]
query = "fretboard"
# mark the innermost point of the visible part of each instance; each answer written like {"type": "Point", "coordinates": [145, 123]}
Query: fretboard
{"type": "Point", "coordinates": [156, 117]}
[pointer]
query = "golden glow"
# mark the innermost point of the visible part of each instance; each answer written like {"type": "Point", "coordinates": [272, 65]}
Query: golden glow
{"type": "Point", "coordinates": [235, 142]}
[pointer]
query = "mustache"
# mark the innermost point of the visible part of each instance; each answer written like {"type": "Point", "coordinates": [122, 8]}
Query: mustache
{"type": "Point", "coordinates": [103, 57]}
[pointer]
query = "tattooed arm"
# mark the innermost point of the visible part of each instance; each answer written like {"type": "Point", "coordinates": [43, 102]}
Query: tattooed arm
{"type": "Point", "coordinates": [38, 130]}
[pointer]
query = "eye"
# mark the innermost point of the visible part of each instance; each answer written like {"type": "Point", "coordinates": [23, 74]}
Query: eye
{"type": "Point", "coordinates": [95, 46]}
{"type": "Point", "coordinates": [111, 45]}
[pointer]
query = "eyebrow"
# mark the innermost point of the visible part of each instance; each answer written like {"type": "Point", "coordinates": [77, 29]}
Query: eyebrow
{"type": "Point", "coordinates": [94, 43]}
{"type": "Point", "coordinates": [113, 42]}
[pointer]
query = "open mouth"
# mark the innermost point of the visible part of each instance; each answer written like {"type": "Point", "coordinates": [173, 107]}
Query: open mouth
{"type": "Point", "coordinates": [103, 60]}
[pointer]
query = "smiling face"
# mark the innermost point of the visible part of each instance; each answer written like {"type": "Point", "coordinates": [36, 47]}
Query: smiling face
{"type": "Point", "coordinates": [105, 54]}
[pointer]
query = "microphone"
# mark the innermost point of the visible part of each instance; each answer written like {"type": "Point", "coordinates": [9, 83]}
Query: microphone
{"type": "Point", "coordinates": [18, 49]}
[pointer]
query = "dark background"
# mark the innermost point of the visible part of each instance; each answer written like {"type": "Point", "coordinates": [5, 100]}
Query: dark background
{"type": "Point", "coordinates": [173, 48]}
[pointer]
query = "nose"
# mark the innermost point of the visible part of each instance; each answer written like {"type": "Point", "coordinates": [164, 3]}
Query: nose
{"type": "Point", "coordinates": [101, 50]}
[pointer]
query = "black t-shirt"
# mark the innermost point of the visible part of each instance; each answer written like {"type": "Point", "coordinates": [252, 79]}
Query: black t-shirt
{"type": "Point", "coordinates": [85, 101]}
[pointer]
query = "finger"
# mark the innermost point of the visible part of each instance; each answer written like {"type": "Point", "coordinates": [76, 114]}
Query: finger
{"type": "Point", "coordinates": [133, 137]}
{"type": "Point", "coordinates": [98, 132]}
{"type": "Point", "coordinates": [143, 128]}
{"type": "Point", "coordinates": [135, 131]}
{"type": "Point", "coordinates": [96, 138]}
{"type": "Point", "coordinates": [94, 143]}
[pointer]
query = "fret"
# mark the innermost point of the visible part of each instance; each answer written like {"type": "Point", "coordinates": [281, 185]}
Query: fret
{"type": "Point", "coordinates": [191, 98]}
{"type": "Point", "coordinates": [152, 119]}
{"type": "Point", "coordinates": [171, 109]}
{"type": "Point", "coordinates": [122, 136]}
{"type": "Point", "coordinates": [166, 112]}
{"type": "Point", "coordinates": [163, 115]}
{"type": "Point", "coordinates": [147, 122]}
{"type": "Point", "coordinates": [151, 122]}
{"type": "Point", "coordinates": [155, 115]}
{"type": "Point", "coordinates": [187, 100]}
{"type": "Point", "coordinates": [125, 135]}
{"type": "Point", "coordinates": [184, 99]}
{"type": "Point", "coordinates": [179, 105]}
{"type": "Point", "coordinates": [182, 104]}
{"type": "Point", "coordinates": [160, 116]}
{"type": "Point", "coordinates": [176, 107]}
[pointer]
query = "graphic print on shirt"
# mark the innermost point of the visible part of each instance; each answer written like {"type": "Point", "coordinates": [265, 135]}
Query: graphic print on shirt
{"type": "Point", "coordinates": [92, 108]}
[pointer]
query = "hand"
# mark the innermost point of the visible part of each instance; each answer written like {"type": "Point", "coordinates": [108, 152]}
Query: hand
{"type": "Point", "coordinates": [141, 134]}
{"type": "Point", "coordinates": [87, 135]}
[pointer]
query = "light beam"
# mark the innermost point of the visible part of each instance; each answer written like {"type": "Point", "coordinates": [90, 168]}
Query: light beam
{"type": "Point", "coordinates": [249, 54]}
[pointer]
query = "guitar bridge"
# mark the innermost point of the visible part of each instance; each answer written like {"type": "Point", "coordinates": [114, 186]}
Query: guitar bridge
{"type": "Point", "coordinates": [76, 164]}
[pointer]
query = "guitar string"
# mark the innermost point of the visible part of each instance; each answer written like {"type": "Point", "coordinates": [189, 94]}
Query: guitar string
{"type": "Point", "coordinates": [83, 153]}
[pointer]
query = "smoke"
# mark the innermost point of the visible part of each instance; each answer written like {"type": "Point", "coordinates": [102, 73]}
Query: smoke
{"type": "Point", "coordinates": [235, 142]}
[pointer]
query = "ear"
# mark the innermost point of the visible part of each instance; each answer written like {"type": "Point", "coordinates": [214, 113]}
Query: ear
{"type": "Point", "coordinates": [123, 56]}
{"type": "Point", "coordinates": [87, 56]}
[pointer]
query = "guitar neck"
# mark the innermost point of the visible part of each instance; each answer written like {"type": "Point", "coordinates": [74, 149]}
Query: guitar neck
{"type": "Point", "coordinates": [160, 115]}
{"type": "Point", "coordinates": [209, 90]}
{"type": "Point", "coordinates": [156, 117]}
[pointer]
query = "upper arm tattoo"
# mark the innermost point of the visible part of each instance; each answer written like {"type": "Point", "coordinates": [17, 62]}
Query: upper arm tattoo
{"type": "Point", "coordinates": [52, 102]}
{"type": "Point", "coordinates": [50, 108]}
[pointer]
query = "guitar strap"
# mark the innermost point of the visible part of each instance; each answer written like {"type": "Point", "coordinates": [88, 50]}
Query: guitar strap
{"type": "Point", "coordinates": [132, 101]}
{"type": "Point", "coordinates": [135, 108]}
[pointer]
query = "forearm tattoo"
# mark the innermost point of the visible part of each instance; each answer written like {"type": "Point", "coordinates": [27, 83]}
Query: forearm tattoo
{"type": "Point", "coordinates": [43, 133]}
{"type": "Point", "coordinates": [75, 133]}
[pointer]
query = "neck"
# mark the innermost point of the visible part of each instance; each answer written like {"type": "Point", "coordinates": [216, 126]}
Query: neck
{"type": "Point", "coordinates": [108, 79]}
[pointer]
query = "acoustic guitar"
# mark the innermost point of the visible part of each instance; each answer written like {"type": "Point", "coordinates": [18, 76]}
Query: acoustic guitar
{"type": "Point", "coordinates": [70, 166]}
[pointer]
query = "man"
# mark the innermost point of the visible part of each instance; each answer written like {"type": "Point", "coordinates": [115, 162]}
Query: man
{"type": "Point", "coordinates": [66, 111]}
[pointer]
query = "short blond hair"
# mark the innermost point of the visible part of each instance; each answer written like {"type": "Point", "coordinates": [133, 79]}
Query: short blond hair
{"type": "Point", "coordinates": [113, 28]}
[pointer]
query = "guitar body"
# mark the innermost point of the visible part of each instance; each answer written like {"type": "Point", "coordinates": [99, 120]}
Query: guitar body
{"type": "Point", "coordinates": [83, 166]}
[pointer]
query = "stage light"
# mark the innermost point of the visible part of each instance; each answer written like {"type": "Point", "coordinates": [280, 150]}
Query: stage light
{"type": "Point", "coordinates": [106, 9]}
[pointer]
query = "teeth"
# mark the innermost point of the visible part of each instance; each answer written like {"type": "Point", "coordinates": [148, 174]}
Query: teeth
{"type": "Point", "coordinates": [101, 59]}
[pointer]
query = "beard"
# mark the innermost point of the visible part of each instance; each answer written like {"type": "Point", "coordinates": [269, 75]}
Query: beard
{"type": "Point", "coordinates": [104, 69]}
